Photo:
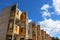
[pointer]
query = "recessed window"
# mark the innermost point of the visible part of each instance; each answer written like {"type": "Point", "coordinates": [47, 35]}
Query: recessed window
{"type": "Point", "coordinates": [22, 39]}
{"type": "Point", "coordinates": [10, 25]}
{"type": "Point", "coordinates": [17, 12]}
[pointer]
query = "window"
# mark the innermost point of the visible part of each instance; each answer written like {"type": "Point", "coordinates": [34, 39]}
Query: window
{"type": "Point", "coordinates": [10, 25]}
{"type": "Point", "coordinates": [29, 31]}
{"type": "Point", "coordinates": [22, 39]}
{"type": "Point", "coordinates": [16, 29]}
{"type": "Point", "coordinates": [29, 39]}
{"type": "Point", "coordinates": [21, 29]}
{"type": "Point", "coordinates": [9, 37]}
{"type": "Point", "coordinates": [22, 25]}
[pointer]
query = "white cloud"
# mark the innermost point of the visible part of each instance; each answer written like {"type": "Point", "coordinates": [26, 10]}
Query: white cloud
{"type": "Point", "coordinates": [45, 7]}
{"type": "Point", "coordinates": [50, 26]}
{"type": "Point", "coordinates": [56, 4]}
{"type": "Point", "coordinates": [45, 12]}
{"type": "Point", "coordinates": [29, 20]}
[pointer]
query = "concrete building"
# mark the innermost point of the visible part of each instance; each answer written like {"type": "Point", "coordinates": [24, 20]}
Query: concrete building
{"type": "Point", "coordinates": [14, 26]}
{"type": "Point", "coordinates": [43, 34]}
{"type": "Point", "coordinates": [34, 31]}
{"type": "Point", "coordinates": [4, 21]}
{"type": "Point", "coordinates": [30, 31]}
{"type": "Point", "coordinates": [48, 37]}
{"type": "Point", "coordinates": [13, 30]}
{"type": "Point", "coordinates": [38, 32]}
{"type": "Point", "coordinates": [24, 26]}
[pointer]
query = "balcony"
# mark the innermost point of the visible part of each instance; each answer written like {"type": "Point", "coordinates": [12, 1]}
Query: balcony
{"type": "Point", "coordinates": [10, 28]}
{"type": "Point", "coordinates": [16, 29]}
{"type": "Point", "coordinates": [10, 32]}
{"type": "Point", "coordinates": [12, 15]}
{"type": "Point", "coordinates": [18, 14]}
{"type": "Point", "coordinates": [23, 31]}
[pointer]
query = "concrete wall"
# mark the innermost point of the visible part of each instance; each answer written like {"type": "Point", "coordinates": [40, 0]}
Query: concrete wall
{"type": "Point", "coordinates": [30, 31]}
{"type": "Point", "coordinates": [43, 34]}
{"type": "Point", "coordinates": [4, 20]}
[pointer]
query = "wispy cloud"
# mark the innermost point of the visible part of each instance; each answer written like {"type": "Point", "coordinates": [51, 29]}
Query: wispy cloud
{"type": "Point", "coordinates": [29, 20]}
{"type": "Point", "coordinates": [45, 12]}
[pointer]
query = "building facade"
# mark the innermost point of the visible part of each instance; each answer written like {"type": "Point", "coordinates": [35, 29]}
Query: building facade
{"type": "Point", "coordinates": [43, 34]}
{"type": "Point", "coordinates": [13, 30]}
{"type": "Point", "coordinates": [14, 26]}
{"type": "Point", "coordinates": [4, 18]}
{"type": "Point", "coordinates": [38, 32]}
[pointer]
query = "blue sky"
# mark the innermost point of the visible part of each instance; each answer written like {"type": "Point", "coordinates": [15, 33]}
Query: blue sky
{"type": "Point", "coordinates": [31, 6]}
{"type": "Point", "coordinates": [44, 12]}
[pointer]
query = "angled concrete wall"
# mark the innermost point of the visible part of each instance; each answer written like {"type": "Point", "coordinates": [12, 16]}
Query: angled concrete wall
{"type": "Point", "coordinates": [4, 20]}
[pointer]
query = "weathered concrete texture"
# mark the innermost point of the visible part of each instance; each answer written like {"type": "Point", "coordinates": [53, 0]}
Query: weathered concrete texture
{"type": "Point", "coordinates": [30, 31]}
{"type": "Point", "coordinates": [4, 18]}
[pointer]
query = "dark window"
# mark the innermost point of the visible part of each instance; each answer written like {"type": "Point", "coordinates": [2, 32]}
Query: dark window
{"type": "Point", "coordinates": [10, 27]}
{"type": "Point", "coordinates": [13, 8]}
{"type": "Point", "coordinates": [29, 31]}
{"type": "Point", "coordinates": [9, 37]}
{"type": "Point", "coordinates": [33, 24]}
{"type": "Point", "coordinates": [29, 39]}
{"type": "Point", "coordinates": [22, 39]}
{"type": "Point", "coordinates": [21, 29]}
